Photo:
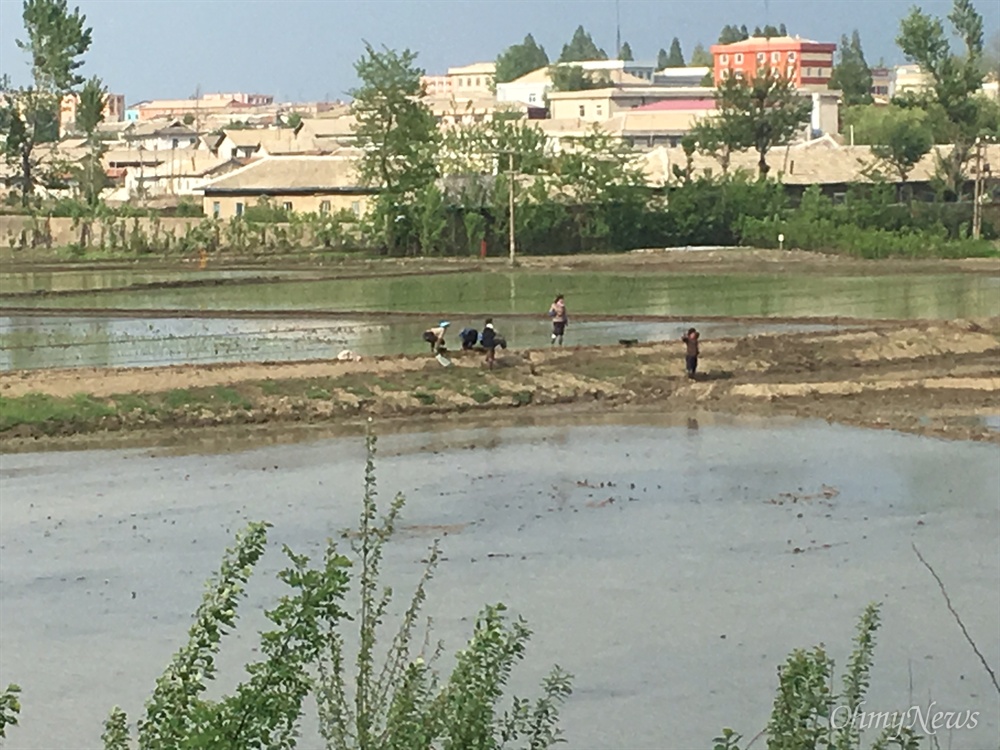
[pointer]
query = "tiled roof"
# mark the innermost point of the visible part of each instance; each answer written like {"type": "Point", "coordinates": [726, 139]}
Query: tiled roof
{"type": "Point", "coordinates": [292, 174]}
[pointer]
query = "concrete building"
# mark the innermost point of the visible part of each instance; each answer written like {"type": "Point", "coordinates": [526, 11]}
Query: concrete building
{"type": "Point", "coordinates": [908, 79]}
{"type": "Point", "coordinates": [211, 104]}
{"type": "Point", "coordinates": [807, 63]}
{"type": "Point", "coordinates": [304, 184]}
{"type": "Point", "coordinates": [166, 135]}
{"type": "Point", "coordinates": [881, 83]}
{"type": "Point", "coordinates": [114, 111]}
{"type": "Point", "coordinates": [470, 81]}
{"type": "Point", "coordinates": [533, 88]}
{"type": "Point", "coordinates": [681, 77]}
{"type": "Point", "coordinates": [597, 105]}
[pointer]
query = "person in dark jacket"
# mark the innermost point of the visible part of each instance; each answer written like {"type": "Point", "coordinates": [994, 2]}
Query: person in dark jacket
{"type": "Point", "coordinates": [691, 359]}
{"type": "Point", "coordinates": [490, 340]}
{"type": "Point", "coordinates": [468, 337]}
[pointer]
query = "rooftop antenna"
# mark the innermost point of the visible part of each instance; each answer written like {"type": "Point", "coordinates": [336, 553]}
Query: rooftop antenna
{"type": "Point", "coordinates": [618, 30]}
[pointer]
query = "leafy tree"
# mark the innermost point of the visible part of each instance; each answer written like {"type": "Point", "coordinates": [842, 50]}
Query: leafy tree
{"type": "Point", "coordinates": [662, 59]}
{"type": "Point", "coordinates": [10, 707]}
{"type": "Point", "coordinates": [757, 32]}
{"type": "Point", "coordinates": [954, 78]}
{"type": "Point", "coordinates": [599, 171]}
{"type": "Point", "coordinates": [395, 130]}
{"type": "Point", "coordinates": [851, 74]}
{"type": "Point", "coordinates": [581, 47]}
{"type": "Point", "coordinates": [293, 120]}
{"type": "Point", "coordinates": [89, 115]}
{"type": "Point", "coordinates": [782, 31]}
{"type": "Point", "coordinates": [733, 33]}
{"type": "Point", "coordinates": [760, 112]}
{"type": "Point", "coordinates": [902, 140]}
{"type": "Point", "coordinates": [626, 52]}
{"type": "Point", "coordinates": [719, 138]}
{"type": "Point", "coordinates": [803, 714]}
{"type": "Point", "coordinates": [56, 40]}
{"type": "Point", "coordinates": [675, 58]}
{"type": "Point", "coordinates": [701, 57]}
{"type": "Point", "coordinates": [520, 59]}
{"type": "Point", "coordinates": [575, 78]}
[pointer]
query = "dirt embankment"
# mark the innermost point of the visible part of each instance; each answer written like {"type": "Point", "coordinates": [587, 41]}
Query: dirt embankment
{"type": "Point", "coordinates": [929, 379]}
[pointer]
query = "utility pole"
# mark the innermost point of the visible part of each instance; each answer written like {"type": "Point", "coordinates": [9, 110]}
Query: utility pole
{"type": "Point", "coordinates": [977, 193]}
{"type": "Point", "coordinates": [510, 204]}
{"type": "Point", "coordinates": [618, 30]}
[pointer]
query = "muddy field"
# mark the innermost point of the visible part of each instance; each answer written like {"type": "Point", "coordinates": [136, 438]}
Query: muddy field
{"type": "Point", "coordinates": [936, 379]}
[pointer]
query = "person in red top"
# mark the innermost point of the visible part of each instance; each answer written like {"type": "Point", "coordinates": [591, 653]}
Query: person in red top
{"type": "Point", "coordinates": [691, 360]}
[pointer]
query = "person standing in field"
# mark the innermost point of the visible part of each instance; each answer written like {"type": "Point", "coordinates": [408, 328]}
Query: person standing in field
{"type": "Point", "coordinates": [691, 359]}
{"type": "Point", "coordinates": [490, 340]}
{"type": "Point", "coordinates": [557, 312]}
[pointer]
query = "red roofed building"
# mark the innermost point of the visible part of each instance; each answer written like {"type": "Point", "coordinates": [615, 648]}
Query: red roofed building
{"type": "Point", "coordinates": [807, 63]}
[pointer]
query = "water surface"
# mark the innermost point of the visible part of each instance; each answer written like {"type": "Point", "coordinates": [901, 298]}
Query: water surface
{"type": "Point", "coordinates": [657, 562]}
{"type": "Point", "coordinates": [900, 296]}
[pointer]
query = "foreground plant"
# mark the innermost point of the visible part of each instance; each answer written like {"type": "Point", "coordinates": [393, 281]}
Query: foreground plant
{"type": "Point", "coordinates": [10, 707]}
{"type": "Point", "coordinates": [809, 715]}
{"type": "Point", "coordinates": [397, 701]}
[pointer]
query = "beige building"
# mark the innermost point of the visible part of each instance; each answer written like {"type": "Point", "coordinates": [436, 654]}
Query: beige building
{"type": "Point", "coordinates": [471, 81]}
{"type": "Point", "coordinates": [597, 105]}
{"type": "Point", "coordinates": [303, 184]}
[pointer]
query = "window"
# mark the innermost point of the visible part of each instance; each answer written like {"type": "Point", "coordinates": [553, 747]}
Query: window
{"type": "Point", "coordinates": [761, 57]}
{"type": "Point", "coordinates": [532, 98]}
{"type": "Point", "coordinates": [216, 209]}
{"type": "Point", "coordinates": [287, 205]}
{"type": "Point", "coordinates": [723, 59]}
{"type": "Point", "coordinates": [583, 111]}
{"type": "Point", "coordinates": [324, 207]}
{"type": "Point", "coordinates": [174, 144]}
{"type": "Point", "coordinates": [791, 71]}
{"type": "Point", "coordinates": [239, 209]}
{"type": "Point", "coordinates": [356, 208]}
{"type": "Point", "coordinates": [724, 74]}
{"type": "Point", "coordinates": [478, 82]}
{"type": "Point", "coordinates": [775, 57]}
{"type": "Point", "coordinates": [739, 75]}
{"type": "Point", "coordinates": [738, 57]}
{"type": "Point", "coordinates": [791, 57]}
{"type": "Point", "coordinates": [600, 110]}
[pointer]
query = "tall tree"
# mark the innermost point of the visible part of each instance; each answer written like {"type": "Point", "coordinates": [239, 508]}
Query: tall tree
{"type": "Point", "coordinates": [520, 59]}
{"type": "Point", "coordinates": [626, 52]}
{"type": "Point", "coordinates": [662, 59]}
{"type": "Point", "coordinates": [902, 139]}
{"type": "Point", "coordinates": [575, 78]}
{"type": "Point", "coordinates": [701, 57]}
{"type": "Point", "coordinates": [954, 78]}
{"type": "Point", "coordinates": [56, 41]}
{"type": "Point", "coordinates": [760, 112]}
{"type": "Point", "coordinates": [395, 131]}
{"type": "Point", "coordinates": [581, 47]}
{"type": "Point", "coordinates": [89, 115]}
{"type": "Point", "coordinates": [782, 31]}
{"type": "Point", "coordinates": [675, 58]}
{"type": "Point", "coordinates": [732, 33]}
{"type": "Point", "coordinates": [851, 74]}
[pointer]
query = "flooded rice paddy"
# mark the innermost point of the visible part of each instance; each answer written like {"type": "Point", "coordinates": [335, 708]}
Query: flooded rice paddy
{"type": "Point", "coordinates": [670, 565]}
{"type": "Point", "coordinates": [939, 296]}
{"type": "Point", "coordinates": [29, 342]}
{"type": "Point", "coordinates": [227, 321]}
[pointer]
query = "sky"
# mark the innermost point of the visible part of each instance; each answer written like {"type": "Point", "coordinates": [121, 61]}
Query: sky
{"type": "Point", "coordinates": [300, 50]}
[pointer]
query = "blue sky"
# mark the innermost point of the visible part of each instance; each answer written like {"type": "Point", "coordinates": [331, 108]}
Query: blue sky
{"type": "Point", "coordinates": [305, 49]}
